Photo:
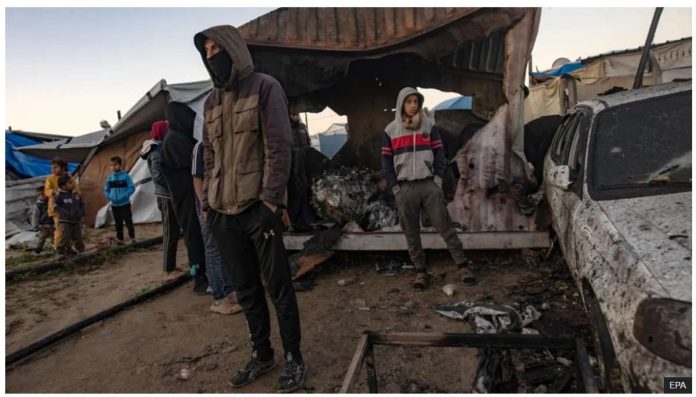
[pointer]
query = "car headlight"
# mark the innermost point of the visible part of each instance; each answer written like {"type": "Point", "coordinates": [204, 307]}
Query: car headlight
{"type": "Point", "coordinates": [663, 326]}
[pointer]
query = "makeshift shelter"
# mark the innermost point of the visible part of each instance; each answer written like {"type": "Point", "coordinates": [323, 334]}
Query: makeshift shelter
{"type": "Point", "coordinates": [125, 140]}
{"type": "Point", "coordinates": [20, 165]}
{"type": "Point", "coordinates": [368, 54]}
{"type": "Point", "coordinates": [72, 149]}
{"type": "Point", "coordinates": [20, 196]}
{"type": "Point", "coordinates": [554, 91]}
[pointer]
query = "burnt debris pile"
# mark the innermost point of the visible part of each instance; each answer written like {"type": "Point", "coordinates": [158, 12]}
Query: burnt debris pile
{"type": "Point", "coordinates": [360, 195]}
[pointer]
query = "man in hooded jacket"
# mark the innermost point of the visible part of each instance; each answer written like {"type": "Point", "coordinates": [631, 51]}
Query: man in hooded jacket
{"type": "Point", "coordinates": [177, 152]}
{"type": "Point", "coordinates": [247, 153]}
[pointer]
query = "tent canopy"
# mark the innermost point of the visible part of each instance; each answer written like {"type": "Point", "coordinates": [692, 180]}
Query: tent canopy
{"type": "Point", "coordinates": [21, 165]}
{"type": "Point", "coordinates": [457, 103]}
{"type": "Point", "coordinates": [72, 149]}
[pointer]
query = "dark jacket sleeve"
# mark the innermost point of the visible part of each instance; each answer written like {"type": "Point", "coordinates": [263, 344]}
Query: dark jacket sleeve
{"type": "Point", "coordinates": [208, 164]}
{"type": "Point", "coordinates": [388, 161]}
{"type": "Point", "coordinates": [439, 152]}
{"type": "Point", "coordinates": [155, 162]}
{"type": "Point", "coordinates": [278, 142]}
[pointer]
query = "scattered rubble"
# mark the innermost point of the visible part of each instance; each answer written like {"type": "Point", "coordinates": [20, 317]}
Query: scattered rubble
{"type": "Point", "coordinates": [353, 194]}
{"type": "Point", "coordinates": [345, 281]}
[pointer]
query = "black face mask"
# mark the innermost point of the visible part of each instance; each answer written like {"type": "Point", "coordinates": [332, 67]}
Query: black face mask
{"type": "Point", "coordinates": [221, 65]}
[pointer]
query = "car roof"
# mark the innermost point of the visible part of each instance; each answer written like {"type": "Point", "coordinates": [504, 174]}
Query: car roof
{"type": "Point", "coordinates": [628, 96]}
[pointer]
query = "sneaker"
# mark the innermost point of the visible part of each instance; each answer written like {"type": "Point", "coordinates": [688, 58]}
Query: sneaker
{"type": "Point", "coordinates": [70, 252]}
{"type": "Point", "coordinates": [209, 290]}
{"type": "Point", "coordinates": [293, 376]}
{"type": "Point", "coordinates": [119, 242]}
{"type": "Point", "coordinates": [200, 284]}
{"type": "Point", "coordinates": [252, 370]}
{"type": "Point", "coordinates": [224, 306]}
{"type": "Point", "coordinates": [132, 240]}
{"type": "Point", "coordinates": [421, 281]}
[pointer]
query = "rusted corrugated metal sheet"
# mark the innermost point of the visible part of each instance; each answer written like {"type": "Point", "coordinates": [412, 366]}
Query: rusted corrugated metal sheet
{"type": "Point", "coordinates": [346, 29]}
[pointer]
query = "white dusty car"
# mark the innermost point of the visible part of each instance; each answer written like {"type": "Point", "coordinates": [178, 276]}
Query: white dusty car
{"type": "Point", "coordinates": [618, 181]}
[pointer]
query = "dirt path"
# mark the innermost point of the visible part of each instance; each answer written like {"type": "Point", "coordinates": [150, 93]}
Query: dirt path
{"type": "Point", "coordinates": [37, 307]}
{"type": "Point", "coordinates": [145, 348]}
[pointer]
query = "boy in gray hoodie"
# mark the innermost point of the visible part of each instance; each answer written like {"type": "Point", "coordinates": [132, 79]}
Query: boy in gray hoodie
{"type": "Point", "coordinates": [413, 160]}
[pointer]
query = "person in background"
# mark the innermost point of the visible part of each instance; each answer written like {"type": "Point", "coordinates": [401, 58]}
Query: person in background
{"type": "Point", "coordinates": [152, 152]}
{"type": "Point", "coordinates": [70, 209]}
{"type": "Point", "coordinates": [247, 144]}
{"type": "Point", "coordinates": [177, 154]}
{"type": "Point", "coordinates": [298, 188]}
{"type": "Point", "coordinates": [118, 189]}
{"type": "Point", "coordinates": [40, 221]}
{"type": "Point", "coordinates": [224, 297]}
{"type": "Point", "coordinates": [413, 161]}
{"type": "Point", "coordinates": [59, 168]}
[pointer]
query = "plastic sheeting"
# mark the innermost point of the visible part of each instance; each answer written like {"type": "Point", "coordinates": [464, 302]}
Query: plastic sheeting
{"type": "Point", "coordinates": [20, 197]}
{"type": "Point", "coordinates": [130, 131]}
{"type": "Point", "coordinates": [24, 165]}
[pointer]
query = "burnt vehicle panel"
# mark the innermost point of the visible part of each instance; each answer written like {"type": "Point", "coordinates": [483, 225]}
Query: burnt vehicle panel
{"type": "Point", "coordinates": [617, 178]}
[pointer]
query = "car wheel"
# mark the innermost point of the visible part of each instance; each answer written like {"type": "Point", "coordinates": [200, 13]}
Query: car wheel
{"type": "Point", "coordinates": [608, 364]}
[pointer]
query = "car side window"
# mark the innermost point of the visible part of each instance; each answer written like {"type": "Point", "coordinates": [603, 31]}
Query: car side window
{"type": "Point", "coordinates": [564, 139]}
{"type": "Point", "coordinates": [576, 153]}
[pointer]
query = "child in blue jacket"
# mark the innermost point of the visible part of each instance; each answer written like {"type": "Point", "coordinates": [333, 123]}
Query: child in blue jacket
{"type": "Point", "coordinates": [118, 189]}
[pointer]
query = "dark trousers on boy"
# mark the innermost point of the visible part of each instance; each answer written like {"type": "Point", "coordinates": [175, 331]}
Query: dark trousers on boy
{"type": "Point", "coordinates": [251, 244]}
{"type": "Point", "coordinates": [414, 196]}
{"type": "Point", "coordinates": [70, 235]}
{"type": "Point", "coordinates": [123, 215]}
{"type": "Point", "coordinates": [45, 233]}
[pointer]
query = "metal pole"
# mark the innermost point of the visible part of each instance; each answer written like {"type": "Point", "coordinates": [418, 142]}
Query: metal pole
{"type": "Point", "coordinates": [638, 82]}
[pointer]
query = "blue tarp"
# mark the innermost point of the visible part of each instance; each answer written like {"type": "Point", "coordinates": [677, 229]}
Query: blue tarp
{"type": "Point", "coordinates": [457, 103]}
{"type": "Point", "coordinates": [23, 165]}
{"type": "Point", "coordinates": [559, 71]}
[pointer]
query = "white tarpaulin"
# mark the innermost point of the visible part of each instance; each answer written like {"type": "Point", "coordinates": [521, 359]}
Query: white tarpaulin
{"type": "Point", "coordinates": [143, 202]}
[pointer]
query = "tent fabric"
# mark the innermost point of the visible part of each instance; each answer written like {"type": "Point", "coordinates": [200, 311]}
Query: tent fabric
{"type": "Point", "coordinates": [23, 164]}
{"type": "Point", "coordinates": [72, 149]}
{"type": "Point", "coordinates": [558, 71]}
{"type": "Point", "coordinates": [544, 100]}
{"type": "Point", "coordinates": [126, 141]}
{"type": "Point", "coordinates": [20, 197]}
{"type": "Point", "coordinates": [95, 173]}
{"type": "Point", "coordinates": [143, 201]}
{"type": "Point", "coordinates": [457, 103]}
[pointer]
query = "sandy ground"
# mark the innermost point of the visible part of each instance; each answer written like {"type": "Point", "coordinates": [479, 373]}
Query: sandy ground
{"type": "Point", "coordinates": [144, 349]}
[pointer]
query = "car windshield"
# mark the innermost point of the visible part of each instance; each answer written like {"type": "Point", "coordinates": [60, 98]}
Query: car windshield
{"type": "Point", "coordinates": [644, 144]}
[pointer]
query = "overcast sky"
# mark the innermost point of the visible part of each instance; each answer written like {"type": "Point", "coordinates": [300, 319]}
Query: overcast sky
{"type": "Point", "coordinates": [69, 68]}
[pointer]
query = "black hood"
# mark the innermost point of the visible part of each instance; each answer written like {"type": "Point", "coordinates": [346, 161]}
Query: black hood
{"type": "Point", "coordinates": [181, 118]}
{"type": "Point", "coordinates": [229, 38]}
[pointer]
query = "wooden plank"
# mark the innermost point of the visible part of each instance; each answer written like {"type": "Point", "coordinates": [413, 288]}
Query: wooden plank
{"type": "Point", "coordinates": [355, 365]}
{"type": "Point", "coordinates": [395, 241]}
{"type": "Point", "coordinates": [370, 369]}
{"type": "Point", "coordinates": [505, 341]}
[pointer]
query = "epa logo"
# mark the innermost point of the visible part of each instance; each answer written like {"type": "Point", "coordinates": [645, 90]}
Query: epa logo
{"type": "Point", "coordinates": [677, 385]}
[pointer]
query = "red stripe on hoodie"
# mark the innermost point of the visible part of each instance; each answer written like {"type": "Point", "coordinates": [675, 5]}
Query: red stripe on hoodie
{"type": "Point", "coordinates": [407, 141]}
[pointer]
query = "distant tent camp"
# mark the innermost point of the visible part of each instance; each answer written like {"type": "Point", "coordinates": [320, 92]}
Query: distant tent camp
{"type": "Point", "coordinates": [554, 91]}
{"type": "Point", "coordinates": [125, 140]}
{"type": "Point", "coordinates": [19, 165]}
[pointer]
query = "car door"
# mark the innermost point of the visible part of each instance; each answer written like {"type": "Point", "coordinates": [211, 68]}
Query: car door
{"type": "Point", "coordinates": [558, 155]}
{"type": "Point", "coordinates": [574, 198]}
